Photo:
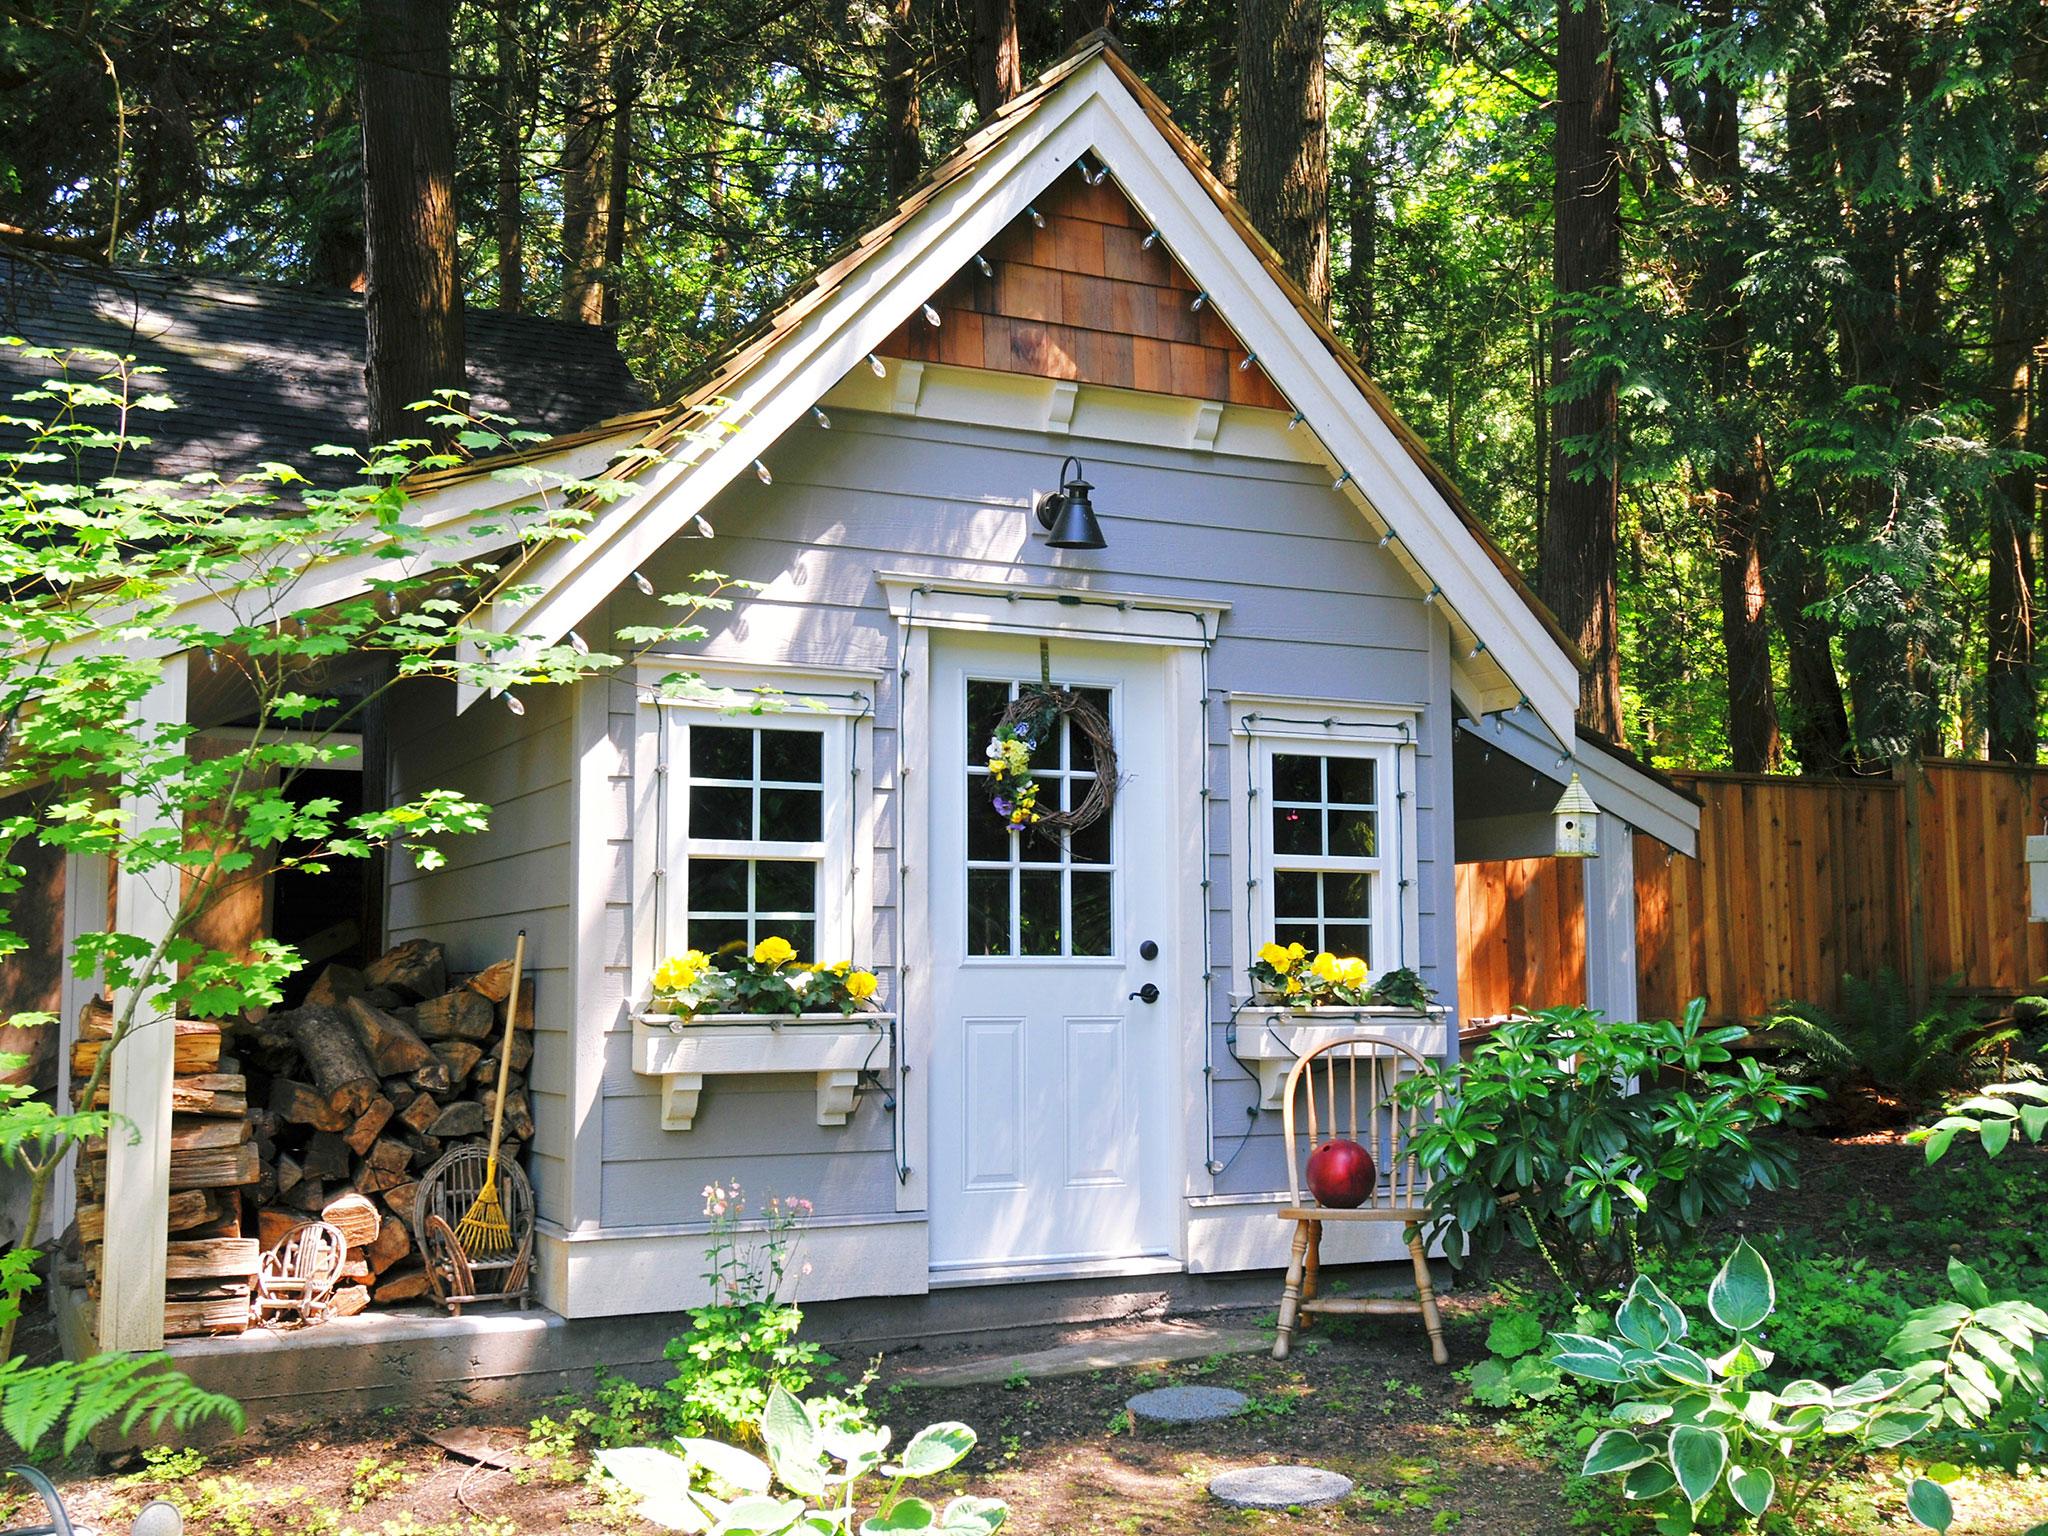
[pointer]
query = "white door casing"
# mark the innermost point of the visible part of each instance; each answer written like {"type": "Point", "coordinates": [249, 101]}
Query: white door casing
{"type": "Point", "coordinates": [1054, 1093]}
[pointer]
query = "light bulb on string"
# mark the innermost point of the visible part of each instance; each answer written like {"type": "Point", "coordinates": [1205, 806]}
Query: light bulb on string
{"type": "Point", "coordinates": [1037, 218]}
{"type": "Point", "coordinates": [818, 414]}
{"type": "Point", "coordinates": [646, 587]}
{"type": "Point", "coordinates": [1149, 241]}
{"type": "Point", "coordinates": [982, 262]}
{"type": "Point", "coordinates": [761, 473]}
{"type": "Point", "coordinates": [703, 526]}
{"type": "Point", "coordinates": [512, 703]}
{"type": "Point", "coordinates": [1200, 299]}
{"type": "Point", "coordinates": [1246, 365]}
{"type": "Point", "coordinates": [578, 644]}
{"type": "Point", "coordinates": [1386, 538]}
{"type": "Point", "coordinates": [875, 367]}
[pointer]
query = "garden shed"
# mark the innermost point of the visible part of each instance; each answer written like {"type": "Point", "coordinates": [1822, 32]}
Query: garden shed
{"type": "Point", "coordinates": [1322, 684]}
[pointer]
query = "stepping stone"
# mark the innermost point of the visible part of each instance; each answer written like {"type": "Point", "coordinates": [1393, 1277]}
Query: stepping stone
{"type": "Point", "coordinates": [1278, 1487]}
{"type": "Point", "coordinates": [1186, 1405]}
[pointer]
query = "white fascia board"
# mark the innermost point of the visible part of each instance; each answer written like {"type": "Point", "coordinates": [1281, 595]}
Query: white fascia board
{"type": "Point", "coordinates": [1617, 788]}
{"type": "Point", "coordinates": [870, 303]}
{"type": "Point", "coordinates": [1298, 362]}
{"type": "Point", "coordinates": [450, 515]}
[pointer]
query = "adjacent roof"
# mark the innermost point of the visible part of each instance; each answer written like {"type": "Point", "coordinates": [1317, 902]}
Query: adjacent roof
{"type": "Point", "coordinates": [264, 372]}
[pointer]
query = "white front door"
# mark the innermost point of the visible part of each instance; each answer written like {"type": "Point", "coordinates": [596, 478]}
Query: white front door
{"type": "Point", "coordinates": [1053, 1087]}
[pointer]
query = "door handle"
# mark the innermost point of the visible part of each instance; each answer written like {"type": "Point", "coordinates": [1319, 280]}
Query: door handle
{"type": "Point", "coordinates": [1148, 993]}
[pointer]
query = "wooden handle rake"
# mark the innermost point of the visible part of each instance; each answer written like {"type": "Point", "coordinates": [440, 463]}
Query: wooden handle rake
{"type": "Point", "coordinates": [485, 1230]}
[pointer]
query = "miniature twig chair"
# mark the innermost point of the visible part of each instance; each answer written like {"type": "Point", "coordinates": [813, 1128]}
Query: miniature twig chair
{"type": "Point", "coordinates": [447, 1191]}
{"type": "Point", "coordinates": [1345, 1089]}
{"type": "Point", "coordinates": [295, 1280]}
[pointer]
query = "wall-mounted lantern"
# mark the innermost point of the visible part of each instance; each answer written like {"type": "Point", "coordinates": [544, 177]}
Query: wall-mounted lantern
{"type": "Point", "coordinates": [1578, 823]}
{"type": "Point", "coordinates": [1067, 515]}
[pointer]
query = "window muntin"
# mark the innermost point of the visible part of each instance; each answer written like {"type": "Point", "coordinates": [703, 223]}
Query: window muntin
{"type": "Point", "coordinates": [1037, 894]}
{"type": "Point", "coordinates": [756, 808]}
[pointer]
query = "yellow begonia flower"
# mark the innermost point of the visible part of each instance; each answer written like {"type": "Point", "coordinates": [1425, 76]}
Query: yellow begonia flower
{"type": "Point", "coordinates": [1325, 966]}
{"type": "Point", "coordinates": [1297, 951]}
{"type": "Point", "coordinates": [840, 967]}
{"type": "Point", "coordinates": [1293, 984]}
{"type": "Point", "coordinates": [1278, 958]}
{"type": "Point", "coordinates": [774, 950]}
{"type": "Point", "coordinates": [860, 986]}
{"type": "Point", "coordinates": [678, 972]}
{"type": "Point", "coordinates": [1351, 972]}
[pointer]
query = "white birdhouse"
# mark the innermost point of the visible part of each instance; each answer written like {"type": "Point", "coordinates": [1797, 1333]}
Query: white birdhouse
{"type": "Point", "coordinates": [2037, 879]}
{"type": "Point", "coordinates": [1578, 823]}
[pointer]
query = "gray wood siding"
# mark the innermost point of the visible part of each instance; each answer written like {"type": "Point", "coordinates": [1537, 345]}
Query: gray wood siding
{"type": "Point", "coordinates": [1317, 609]}
{"type": "Point", "coordinates": [514, 875]}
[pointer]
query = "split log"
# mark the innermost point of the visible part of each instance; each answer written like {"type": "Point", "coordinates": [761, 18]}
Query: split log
{"type": "Point", "coordinates": [196, 1050]}
{"type": "Point", "coordinates": [209, 1290]}
{"type": "Point", "coordinates": [274, 1224]}
{"type": "Point", "coordinates": [401, 1285]}
{"type": "Point", "coordinates": [227, 1224]}
{"type": "Point", "coordinates": [193, 1134]}
{"type": "Point", "coordinates": [526, 998]}
{"type": "Point", "coordinates": [368, 1124]}
{"type": "Point", "coordinates": [227, 1315]}
{"type": "Point", "coordinates": [354, 1267]}
{"type": "Point", "coordinates": [399, 1198]}
{"type": "Point", "coordinates": [493, 982]}
{"type": "Point", "coordinates": [309, 1196]}
{"type": "Point", "coordinates": [356, 1215]}
{"type": "Point", "coordinates": [205, 1168]}
{"type": "Point", "coordinates": [341, 1070]}
{"type": "Point", "coordinates": [465, 1117]}
{"type": "Point", "coordinates": [392, 1245]}
{"type": "Point", "coordinates": [388, 1155]}
{"type": "Point", "coordinates": [518, 1114]}
{"type": "Point", "coordinates": [463, 1015]}
{"type": "Point", "coordinates": [393, 1046]}
{"type": "Point", "coordinates": [302, 1104]}
{"type": "Point", "coordinates": [349, 1300]}
{"type": "Point", "coordinates": [382, 1181]}
{"type": "Point", "coordinates": [436, 1079]}
{"type": "Point", "coordinates": [208, 1093]}
{"type": "Point", "coordinates": [422, 1112]}
{"type": "Point", "coordinates": [289, 1172]}
{"type": "Point", "coordinates": [337, 984]}
{"type": "Point", "coordinates": [459, 1057]}
{"type": "Point", "coordinates": [326, 1157]}
{"type": "Point", "coordinates": [189, 1208]}
{"type": "Point", "coordinates": [210, 1256]}
{"type": "Point", "coordinates": [96, 1022]}
{"type": "Point", "coordinates": [418, 967]}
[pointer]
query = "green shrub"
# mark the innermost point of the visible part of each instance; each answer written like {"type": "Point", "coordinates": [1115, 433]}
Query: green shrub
{"type": "Point", "coordinates": [1543, 1144]}
{"type": "Point", "coordinates": [1874, 1042]}
{"type": "Point", "coordinates": [1979, 1364]}
{"type": "Point", "coordinates": [1702, 1441]}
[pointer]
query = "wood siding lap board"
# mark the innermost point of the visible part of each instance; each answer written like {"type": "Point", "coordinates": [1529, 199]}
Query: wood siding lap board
{"type": "Point", "coordinates": [1084, 299]}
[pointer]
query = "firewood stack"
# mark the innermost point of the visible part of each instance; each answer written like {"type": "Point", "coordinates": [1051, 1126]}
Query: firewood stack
{"type": "Point", "coordinates": [328, 1111]}
{"type": "Point", "coordinates": [210, 1265]}
{"type": "Point", "coordinates": [374, 1076]}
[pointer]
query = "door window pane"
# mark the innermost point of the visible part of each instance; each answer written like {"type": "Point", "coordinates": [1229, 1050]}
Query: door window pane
{"type": "Point", "coordinates": [1057, 911]}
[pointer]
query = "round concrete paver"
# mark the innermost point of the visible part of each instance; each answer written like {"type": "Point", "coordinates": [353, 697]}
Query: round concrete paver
{"type": "Point", "coordinates": [1278, 1487]}
{"type": "Point", "coordinates": [1186, 1405]}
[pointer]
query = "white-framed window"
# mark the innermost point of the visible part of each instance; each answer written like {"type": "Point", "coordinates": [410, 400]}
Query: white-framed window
{"type": "Point", "coordinates": [1324, 829]}
{"type": "Point", "coordinates": [758, 819]}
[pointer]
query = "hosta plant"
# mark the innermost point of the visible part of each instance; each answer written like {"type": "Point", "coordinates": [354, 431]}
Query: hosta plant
{"type": "Point", "coordinates": [1700, 1439]}
{"type": "Point", "coordinates": [810, 1481]}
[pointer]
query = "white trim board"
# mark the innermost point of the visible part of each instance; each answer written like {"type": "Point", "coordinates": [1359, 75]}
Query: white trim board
{"type": "Point", "coordinates": [1618, 789]}
{"type": "Point", "coordinates": [1090, 113]}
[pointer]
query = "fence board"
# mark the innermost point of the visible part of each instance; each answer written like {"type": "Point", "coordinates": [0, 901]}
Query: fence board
{"type": "Point", "coordinates": [1797, 882]}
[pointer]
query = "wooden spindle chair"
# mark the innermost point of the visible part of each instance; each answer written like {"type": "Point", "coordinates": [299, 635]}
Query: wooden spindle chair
{"type": "Point", "coordinates": [1346, 1090]}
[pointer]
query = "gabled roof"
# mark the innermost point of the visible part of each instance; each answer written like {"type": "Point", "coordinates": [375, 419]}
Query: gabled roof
{"type": "Point", "coordinates": [262, 372]}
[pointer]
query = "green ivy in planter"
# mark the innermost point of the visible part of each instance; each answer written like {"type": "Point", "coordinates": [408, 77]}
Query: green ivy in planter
{"type": "Point", "coordinates": [1701, 1442]}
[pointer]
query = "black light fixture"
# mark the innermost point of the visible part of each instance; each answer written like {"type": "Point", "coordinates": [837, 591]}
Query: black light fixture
{"type": "Point", "coordinates": [1066, 513]}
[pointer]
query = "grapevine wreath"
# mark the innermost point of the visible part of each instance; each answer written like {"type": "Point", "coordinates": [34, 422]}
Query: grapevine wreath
{"type": "Point", "coordinates": [1030, 722]}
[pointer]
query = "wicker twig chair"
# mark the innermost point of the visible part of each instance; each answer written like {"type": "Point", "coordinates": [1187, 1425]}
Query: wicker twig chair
{"type": "Point", "coordinates": [1345, 1089]}
{"type": "Point", "coordinates": [295, 1280]}
{"type": "Point", "coordinates": [447, 1190]}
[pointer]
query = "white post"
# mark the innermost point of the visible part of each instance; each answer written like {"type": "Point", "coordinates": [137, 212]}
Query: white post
{"type": "Point", "coordinates": [1611, 920]}
{"type": "Point", "coordinates": [138, 1189]}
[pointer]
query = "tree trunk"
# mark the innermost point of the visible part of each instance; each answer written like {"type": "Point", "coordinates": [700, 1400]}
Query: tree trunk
{"type": "Point", "coordinates": [1086, 16]}
{"type": "Point", "coordinates": [1283, 171]}
{"type": "Point", "coordinates": [507, 140]}
{"type": "Point", "coordinates": [1576, 572]}
{"type": "Point", "coordinates": [902, 106]}
{"type": "Point", "coordinates": [625, 87]}
{"type": "Point", "coordinates": [414, 298]}
{"type": "Point", "coordinates": [2009, 619]}
{"type": "Point", "coordinates": [584, 182]}
{"type": "Point", "coordinates": [1737, 485]}
{"type": "Point", "coordinates": [997, 56]}
{"type": "Point", "coordinates": [1819, 719]}
{"type": "Point", "coordinates": [1362, 278]}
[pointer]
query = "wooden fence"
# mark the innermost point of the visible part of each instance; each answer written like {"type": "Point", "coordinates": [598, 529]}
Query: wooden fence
{"type": "Point", "coordinates": [1798, 882]}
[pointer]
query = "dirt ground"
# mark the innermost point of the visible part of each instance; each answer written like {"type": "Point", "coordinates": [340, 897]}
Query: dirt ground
{"type": "Point", "coordinates": [1361, 1398]}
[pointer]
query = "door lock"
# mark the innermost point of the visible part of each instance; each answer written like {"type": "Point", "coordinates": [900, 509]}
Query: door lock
{"type": "Point", "coordinates": [1148, 993]}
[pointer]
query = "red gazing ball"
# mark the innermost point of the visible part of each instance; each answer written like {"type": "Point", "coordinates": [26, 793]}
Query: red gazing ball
{"type": "Point", "coordinates": [1340, 1174]}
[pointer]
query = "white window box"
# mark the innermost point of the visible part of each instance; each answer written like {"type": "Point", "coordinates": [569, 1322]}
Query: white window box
{"type": "Point", "coordinates": [834, 1047]}
{"type": "Point", "coordinates": [1274, 1038]}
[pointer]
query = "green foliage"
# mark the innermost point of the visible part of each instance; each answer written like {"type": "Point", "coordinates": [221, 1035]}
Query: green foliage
{"type": "Point", "coordinates": [122, 1391]}
{"type": "Point", "coordinates": [1543, 1145]}
{"type": "Point", "coordinates": [817, 1466]}
{"type": "Point", "coordinates": [1980, 1365]}
{"type": "Point", "coordinates": [1699, 1438]}
{"type": "Point", "coordinates": [1875, 1041]}
{"type": "Point", "coordinates": [1994, 1117]}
